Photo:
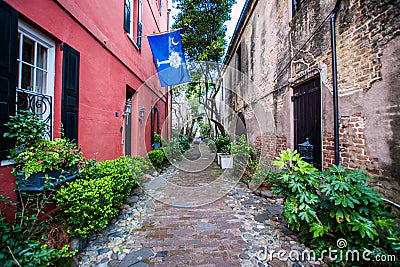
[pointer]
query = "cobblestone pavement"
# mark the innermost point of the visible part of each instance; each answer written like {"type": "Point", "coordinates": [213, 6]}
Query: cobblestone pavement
{"type": "Point", "coordinates": [238, 229]}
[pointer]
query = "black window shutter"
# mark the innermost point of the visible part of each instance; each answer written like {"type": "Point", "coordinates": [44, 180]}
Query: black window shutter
{"type": "Point", "coordinates": [127, 16]}
{"type": "Point", "coordinates": [70, 92]}
{"type": "Point", "coordinates": [8, 70]}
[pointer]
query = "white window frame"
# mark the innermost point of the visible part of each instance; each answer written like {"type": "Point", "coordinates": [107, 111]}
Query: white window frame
{"type": "Point", "coordinates": [38, 37]}
{"type": "Point", "coordinates": [133, 31]}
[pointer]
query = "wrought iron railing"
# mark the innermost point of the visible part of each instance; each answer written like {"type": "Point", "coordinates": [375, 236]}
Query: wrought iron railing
{"type": "Point", "coordinates": [40, 104]}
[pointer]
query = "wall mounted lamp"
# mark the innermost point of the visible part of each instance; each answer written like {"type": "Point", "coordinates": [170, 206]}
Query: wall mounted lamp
{"type": "Point", "coordinates": [128, 107]}
{"type": "Point", "coordinates": [142, 111]}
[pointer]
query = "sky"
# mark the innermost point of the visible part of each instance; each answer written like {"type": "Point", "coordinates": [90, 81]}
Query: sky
{"type": "Point", "coordinates": [231, 24]}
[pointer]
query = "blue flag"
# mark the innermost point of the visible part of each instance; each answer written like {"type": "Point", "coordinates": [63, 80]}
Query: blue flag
{"type": "Point", "coordinates": [169, 58]}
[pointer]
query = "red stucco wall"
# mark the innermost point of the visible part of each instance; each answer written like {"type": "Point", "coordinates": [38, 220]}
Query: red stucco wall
{"type": "Point", "coordinates": [109, 62]}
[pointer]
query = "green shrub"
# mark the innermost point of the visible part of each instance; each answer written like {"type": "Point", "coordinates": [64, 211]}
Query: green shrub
{"type": "Point", "coordinates": [223, 144]}
{"type": "Point", "coordinates": [184, 143]}
{"type": "Point", "coordinates": [205, 129]}
{"type": "Point", "coordinates": [21, 241]}
{"type": "Point", "coordinates": [333, 204]}
{"type": "Point", "coordinates": [157, 138]}
{"type": "Point", "coordinates": [244, 158]}
{"type": "Point", "coordinates": [242, 151]}
{"type": "Point", "coordinates": [91, 202]}
{"type": "Point", "coordinates": [156, 157]}
{"type": "Point", "coordinates": [172, 149]}
{"type": "Point", "coordinates": [138, 166]}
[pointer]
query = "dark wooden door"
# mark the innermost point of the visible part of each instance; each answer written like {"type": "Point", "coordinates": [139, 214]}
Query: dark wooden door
{"type": "Point", "coordinates": [307, 117]}
{"type": "Point", "coordinates": [70, 92]}
{"type": "Point", "coordinates": [8, 70]}
{"type": "Point", "coordinates": [128, 125]}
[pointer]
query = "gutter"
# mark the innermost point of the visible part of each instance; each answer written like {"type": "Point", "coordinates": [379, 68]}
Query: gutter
{"type": "Point", "coordinates": [335, 82]}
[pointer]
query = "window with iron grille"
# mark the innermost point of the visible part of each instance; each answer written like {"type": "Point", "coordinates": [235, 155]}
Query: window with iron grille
{"type": "Point", "coordinates": [35, 75]}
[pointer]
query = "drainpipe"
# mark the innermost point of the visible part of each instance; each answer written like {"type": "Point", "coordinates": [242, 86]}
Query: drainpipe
{"type": "Point", "coordinates": [335, 86]}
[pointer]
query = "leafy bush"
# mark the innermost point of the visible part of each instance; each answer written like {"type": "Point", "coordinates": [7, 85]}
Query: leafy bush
{"type": "Point", "coordinates": [223, 144]}
{"type": "Point", "coordinates": [244, 157]}
{"type": "Point", "coordinates": [26, 128]}
{"type": "Point", "coordinates": [138, 165]}
{"type": "Point", "coordinates": [156, 157]}
{"type": "Point", "coordinates": [22, 241]}
{"type": "Point", "coordinates": [336, 203]}
{"type": "Point", "coordinates": [184, 143]}
{"type": "Point", "coordinates": [205, 129]}
{"type": "Point", "coordinates": [172, 149]}
{"type": "Point", "coordinates": [91, 202]}
{"type": "Point", "coordinates": [242, 150]}
{"type": "Point", "coordinates": [157, 138]}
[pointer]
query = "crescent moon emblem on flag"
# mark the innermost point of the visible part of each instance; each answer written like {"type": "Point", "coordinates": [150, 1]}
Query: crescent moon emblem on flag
{"type": "Point", "coordinates": [173, 42]}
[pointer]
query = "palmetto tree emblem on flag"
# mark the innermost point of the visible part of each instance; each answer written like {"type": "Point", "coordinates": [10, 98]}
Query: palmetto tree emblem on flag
{"type": "Point", "coordinates": [169, 58]}
{"type": "Point", "coordinates": [174, 60]}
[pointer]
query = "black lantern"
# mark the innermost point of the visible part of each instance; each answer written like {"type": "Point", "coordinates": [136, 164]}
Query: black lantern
{"type": "Point", "coordinates": [306, 150]}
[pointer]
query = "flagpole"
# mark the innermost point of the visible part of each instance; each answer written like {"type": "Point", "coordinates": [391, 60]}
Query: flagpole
{"type": "Point", "coordinates": [156, 33]}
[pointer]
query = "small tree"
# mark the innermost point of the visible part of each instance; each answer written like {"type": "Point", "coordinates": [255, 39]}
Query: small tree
{"type": "Point", "coordinates": [203, 37]}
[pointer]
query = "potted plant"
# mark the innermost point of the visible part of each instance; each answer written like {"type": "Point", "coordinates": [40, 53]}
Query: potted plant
{"type": "Point", "coordinates": [223, 146]}
{"type": "Point", "coordinates": [225, 158]}
{"type": "Point", "coordinates": [49, 162]}
{"type": "Point", "coordinates": [157, 141]}
{"type": "Point", "coordinates": [40, 162]}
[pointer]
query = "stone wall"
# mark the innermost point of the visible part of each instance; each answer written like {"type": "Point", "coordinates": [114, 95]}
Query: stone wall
{"type": "Point", "coordinates": [281, 51]}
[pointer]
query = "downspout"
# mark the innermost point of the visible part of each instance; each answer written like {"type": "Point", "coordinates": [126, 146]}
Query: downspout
{"type": "Point", "coordinates": [335, 83]}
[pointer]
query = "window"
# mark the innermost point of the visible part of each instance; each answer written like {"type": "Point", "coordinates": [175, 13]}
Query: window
{"type": "Point", "coordinates": [239, 61]}
{"type": "Point", "coordinates": [296, 5]}
{"type": "Point", "coordinates": [35, 61]}
{"type": "Point", "coordinates": [159, 5]}
{"type": "Point", "coordinates": [35, 77]}
{"type": "Point", "coordinates": [133, 20]}
{"type": "Point", "coordinates": [127, 16]}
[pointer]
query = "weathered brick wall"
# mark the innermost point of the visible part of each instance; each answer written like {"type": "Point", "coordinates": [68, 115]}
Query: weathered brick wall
{"type": "Point", "coordinates": [364, 27]}
{"type": "Point", "coordinates": [269, 146]}
{"type": "Point", "coordinates": [354, 153]}
{"type": "Point", "coordinates": [280, 50]}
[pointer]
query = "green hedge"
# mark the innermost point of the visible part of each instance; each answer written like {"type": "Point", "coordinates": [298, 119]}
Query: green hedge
{"type": "Point", "coordinates": [91, 202]}
{"type": "Point", "coordinates": [157, 157]}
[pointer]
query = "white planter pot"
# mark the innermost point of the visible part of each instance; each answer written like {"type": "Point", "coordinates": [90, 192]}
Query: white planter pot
{"type": "Point", "coordinates": [226, 161]}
